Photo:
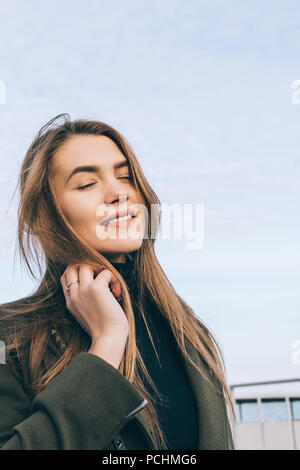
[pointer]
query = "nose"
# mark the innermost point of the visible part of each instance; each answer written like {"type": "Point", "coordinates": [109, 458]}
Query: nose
{"type": "Point", "coordinates": [115, 192]}
{"type": "Point", "coordinates": [120, 198]}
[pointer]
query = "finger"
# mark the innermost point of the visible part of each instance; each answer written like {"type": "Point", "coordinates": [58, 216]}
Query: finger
{"type": "Point", "coordinates": [63, 281]}
{"type": "Point", "coordinates": [71, 274]}
{"type": "Point", "coordinates": [64, 285]}
{"type": "Point", "coordinates": [116, 289]}
{"type": "Point", "coordinates": [111, 280]}
{"type": "Point", "coordinates": [86, 274]}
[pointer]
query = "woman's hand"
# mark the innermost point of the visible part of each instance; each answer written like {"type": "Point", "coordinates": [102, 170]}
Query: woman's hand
{"type": "Point", "coordinates": [93, 304]}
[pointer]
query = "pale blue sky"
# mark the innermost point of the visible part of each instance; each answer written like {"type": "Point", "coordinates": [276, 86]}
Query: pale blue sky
{"type": "Point", "coordinates": [202, 90]}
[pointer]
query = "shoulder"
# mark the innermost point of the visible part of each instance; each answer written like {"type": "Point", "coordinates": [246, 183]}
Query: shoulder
{"type": "Point", "coordinates": [15, 338]}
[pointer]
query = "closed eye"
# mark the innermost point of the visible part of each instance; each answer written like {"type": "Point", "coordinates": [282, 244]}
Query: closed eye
{"type": "Point", "coordinates": [86, 186]}
{"type": "Point", "coordinates": [91, 184]}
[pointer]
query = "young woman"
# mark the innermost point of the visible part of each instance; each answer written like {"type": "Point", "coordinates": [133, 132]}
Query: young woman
{"type": "Point", "coordinates": [104, 354]}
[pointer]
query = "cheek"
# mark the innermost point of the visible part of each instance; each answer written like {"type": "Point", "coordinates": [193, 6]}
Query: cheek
{"type": "Point", "coordinates": [142, 204]}
{"type": "Point", "coordinates": [138, 198]}
{"type": "Point", "coordinates": [78, 209]}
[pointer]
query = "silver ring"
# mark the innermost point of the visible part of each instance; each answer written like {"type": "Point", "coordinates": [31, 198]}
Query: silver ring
{"type": "Point", "coordinates": [68, 285]}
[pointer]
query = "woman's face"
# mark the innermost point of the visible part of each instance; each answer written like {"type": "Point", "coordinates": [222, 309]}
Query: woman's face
{"type": "Point", "coordinates": [108, 190]}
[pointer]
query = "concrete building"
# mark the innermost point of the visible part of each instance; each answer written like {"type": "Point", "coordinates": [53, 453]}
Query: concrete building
{"type": "Point", "coordinates": [266, 421]}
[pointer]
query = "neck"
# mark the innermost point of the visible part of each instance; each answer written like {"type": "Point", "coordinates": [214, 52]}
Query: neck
{"type": "Point", "coordinates": [117, 258]}
{"type": "Point", "coordinates": [122, 258]}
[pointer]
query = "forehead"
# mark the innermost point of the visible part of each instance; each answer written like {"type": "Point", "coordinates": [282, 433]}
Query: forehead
{"type": "Point", "coordinates": [86, 150]}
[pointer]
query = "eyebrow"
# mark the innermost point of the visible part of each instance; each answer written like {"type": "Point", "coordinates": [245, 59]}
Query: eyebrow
{"type": "Point", "coordinates": [94, 169]}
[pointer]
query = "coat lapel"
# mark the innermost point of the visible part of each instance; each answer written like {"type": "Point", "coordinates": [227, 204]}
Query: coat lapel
{"type": "Point", "coordinates": [212, 431]}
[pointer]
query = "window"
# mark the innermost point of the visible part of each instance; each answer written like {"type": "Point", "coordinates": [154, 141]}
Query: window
{"type": "Point", "coordinates": [274, 409]}
{"type": "Point", "coordinates": [295, 408]}
{"type": "Point", "coordinates": [247, 410]}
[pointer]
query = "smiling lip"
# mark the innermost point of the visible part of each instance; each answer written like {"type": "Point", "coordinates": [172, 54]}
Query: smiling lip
{"type": "Point", "coordinates": [116, 222]}
{"type": "Point", "coordinates": [118, 214]}
{"type": "Point", "coordinates": [122, 223]}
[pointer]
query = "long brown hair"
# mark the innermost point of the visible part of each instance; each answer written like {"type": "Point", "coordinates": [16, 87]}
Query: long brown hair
{"type": "Point", "coordinates": [45, 235]}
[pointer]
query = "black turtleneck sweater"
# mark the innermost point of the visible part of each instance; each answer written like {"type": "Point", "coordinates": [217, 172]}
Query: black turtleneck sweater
{"type": "Point", "coordinates": [179, 413]}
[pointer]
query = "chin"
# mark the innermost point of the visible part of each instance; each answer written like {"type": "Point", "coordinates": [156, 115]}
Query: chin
{"type": "Point", "coordinates": [119, 246]}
